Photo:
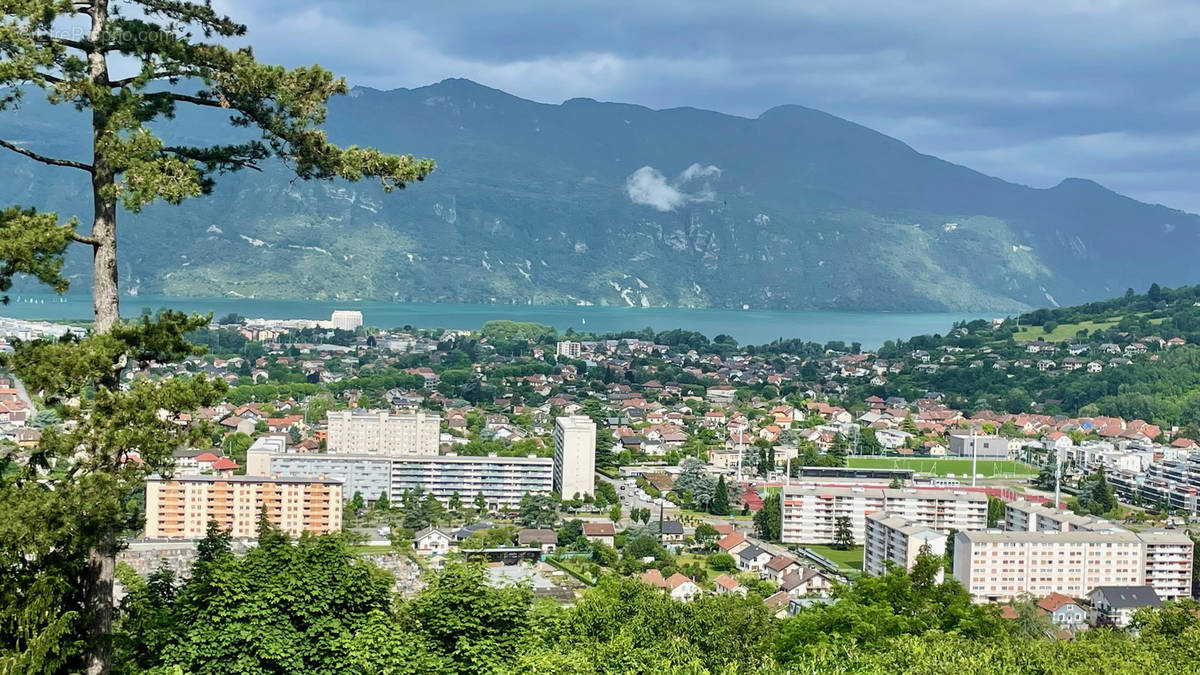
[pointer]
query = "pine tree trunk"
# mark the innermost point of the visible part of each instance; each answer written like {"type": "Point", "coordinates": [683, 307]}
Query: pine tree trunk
{"type": "Point", "coordinates": [105, 299]}
{"type": "Point", "coordinates": [102, 557]}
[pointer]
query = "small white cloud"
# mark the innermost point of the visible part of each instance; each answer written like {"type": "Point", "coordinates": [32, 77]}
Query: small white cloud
{"type": "Point", "coordinates": [696, 171]}
{"type": "Point", "coordinates": [649, 187]}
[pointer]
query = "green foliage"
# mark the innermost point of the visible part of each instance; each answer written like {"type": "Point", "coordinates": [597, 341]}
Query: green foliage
{"type": "Point", "coordinates": [474, 628]}
{"type": "Point", "coordinates": [722, 562]}
{"type": "Point", "coordinates": [50, 519]}
{"type": "Point", "coordinates": [504, 331]}
{"type": "Point", "coordinates": [720, 501]}
{"type": "Point", "coordinates": [995, 511]}
{"type": "Point", "coordinates": [537, 511]}
{"type": "Point", "coordinates": [32, 243]}
{"type": "Point", "coordinates": [843, 533]}
{"type": "Point", "coordinates": [282, 607]}
{"type": "Point", "coordinates": [768, 520]}
{"type": "Point", "coordinates": [311, 607]}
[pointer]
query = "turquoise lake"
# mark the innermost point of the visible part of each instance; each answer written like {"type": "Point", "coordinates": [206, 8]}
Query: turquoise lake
{"type": "Point", "coordinates": [747, 326]}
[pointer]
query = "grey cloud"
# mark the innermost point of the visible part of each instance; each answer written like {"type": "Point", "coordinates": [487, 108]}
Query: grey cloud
{"type": "Point", "coordinates": [1002, 85]}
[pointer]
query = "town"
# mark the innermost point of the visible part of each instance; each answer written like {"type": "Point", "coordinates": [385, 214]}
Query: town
{"type": "Point", "coordinates": [696, 467]}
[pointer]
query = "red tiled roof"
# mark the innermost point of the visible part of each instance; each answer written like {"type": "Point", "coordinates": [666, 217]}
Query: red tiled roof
{"type": "Point", "coordinates": [727, 582]}
{"type": "Point", "coordinates": [654, 578]}
{"type": "Point", "coordinates": [676, 580]}
{"type": "Point", "coordinates": [206, 457]}
{"type": "Point", "coordinates": [225, 464]}
{"type": "Point", "coordinates": [599, 530]}
{"type": "Point", "coordinates": [729, 541]}
{"type": "Point", "coordinates": [1053, 602]}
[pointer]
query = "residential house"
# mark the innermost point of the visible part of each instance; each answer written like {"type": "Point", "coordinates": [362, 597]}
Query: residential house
{"type": "Point", "coordinates": [732, 543]}
{"type": "Point", "coordinates": [778, 603]}
{"type": "Point", "coordinates": [654, 578]}
{"type": "Point", "coordinates": [431, 541]}
{"type": "Point", "coordinates": [547, 540]}
{"type": "Point", "coordinates": [681, 588]}
{"type": "Point", "coordinates": [601, 532]}
{"type": "Point", "coordinates": [672, 531]}
{"type": "Point", "coordinates": [1063, 611]}
{"type": "Point", "coordinates": [808, 581]}
{"type": "Point", "coordinates": [1115, 605]}
{"type": "Point", "coordinates": [726, 585]}
{"type": "Point", "coordinates": [753, 559]}
{"type": "Point", "coordinates": [780, 566]}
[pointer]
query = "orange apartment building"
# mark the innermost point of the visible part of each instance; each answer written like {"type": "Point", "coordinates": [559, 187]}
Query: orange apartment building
{"type": "Point", "coordinates": [181, 507]}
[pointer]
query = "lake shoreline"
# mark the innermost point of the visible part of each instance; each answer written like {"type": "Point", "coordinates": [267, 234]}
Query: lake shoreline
{"type": "Point", "coordinates": [748, 326]}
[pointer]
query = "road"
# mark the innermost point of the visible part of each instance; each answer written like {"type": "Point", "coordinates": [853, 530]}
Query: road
{"type": "Point", "coordinates": [629, 499]}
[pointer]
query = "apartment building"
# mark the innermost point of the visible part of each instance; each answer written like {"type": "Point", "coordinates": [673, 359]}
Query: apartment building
{"type": "Point", "coordinates": [897, 540]}
{"type": "Point", "coordinates": [1168, 563]}
{"type": "Point", "coordinates": [1045, 550]}
{"type": "Point", "coordinates": [1173, 483]}
{"type": "Point", "coordinates": [346, 319]}
{"type": "Point", "coordinates": [997, 566]}
{"type": "Point", "coordinates": [1025, 516]}
{"type": "Point", "coordinates": [368, 475]}
{"type": "Point", "coordinates": [810, 513]}
{"type": "Point", "coordinates": [181, 507]}
{"type": "Point", "coordinates": [570, 349]}
{"type": "Point", "coordinates": [503, 481]}
{"type": "Point", "coordinates": [380, 432]}
{"type": "Point", "coordinates": [574, 456]}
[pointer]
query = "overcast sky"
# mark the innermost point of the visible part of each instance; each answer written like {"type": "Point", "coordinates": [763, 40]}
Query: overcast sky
{"type": "Point", "coordinates": [1032, 91]}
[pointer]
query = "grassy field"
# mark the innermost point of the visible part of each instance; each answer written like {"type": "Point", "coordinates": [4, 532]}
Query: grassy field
{"type": "Point", "coordinates": [942, 467]}
{"type": "Point", "coordinates": [1067, 331]}
{"type": "Point", "coordinates": [849, 559]}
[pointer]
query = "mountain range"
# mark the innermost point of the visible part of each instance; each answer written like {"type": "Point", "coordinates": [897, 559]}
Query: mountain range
{"type": "Point", "coordinates": [614, 204]}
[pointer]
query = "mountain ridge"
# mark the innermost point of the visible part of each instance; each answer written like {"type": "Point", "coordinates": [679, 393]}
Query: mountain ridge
{"type": "Point", "coordinates": [589, 202]}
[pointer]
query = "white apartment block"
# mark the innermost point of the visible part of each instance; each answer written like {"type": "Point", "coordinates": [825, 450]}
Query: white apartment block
{"type": "Point", "coordinates": [810, 513]}
{"type": "Point", "coordinates": [378, 432]}
{"type": "Point", "coordinates": [1046, 550]}
{"type": "Point", "coordinates": [574, 456]}
{"type": "Point", "coordinates": [570, 349]}
{"type": "Point", "coordinates": [997, 566]}
{"type": "Point", "coordinates": [1025, 516]}
{"type": "Point", "coordinates": [1168, 568]}
{"type": "Point", "coordinates": [898, 541]}
{"type": "Point", "coordinates": [503, 481]}
{"type": "Point", "coordinates": [346, 319]}
{"type": "Point", "coordinates": [181, 507]}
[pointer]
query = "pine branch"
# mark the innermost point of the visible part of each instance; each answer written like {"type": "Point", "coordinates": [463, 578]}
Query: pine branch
{"type": "Point", "coordinates": [53, 161]}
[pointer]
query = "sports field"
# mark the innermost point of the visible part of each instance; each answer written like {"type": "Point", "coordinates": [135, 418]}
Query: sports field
{"type": "Point", "coordinates": [942, 467]}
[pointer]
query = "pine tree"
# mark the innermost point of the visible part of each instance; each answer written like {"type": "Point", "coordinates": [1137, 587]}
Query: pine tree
{"type": "Point", "coordinates": [843, 534]}
{"type": "Point", "coordinates": [131, 167]}
{"type": "Point", "coordinates": [720, 502]}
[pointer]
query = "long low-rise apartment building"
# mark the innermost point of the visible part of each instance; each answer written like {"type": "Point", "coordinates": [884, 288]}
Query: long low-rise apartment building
{"type": "Point", "coordinates": [182, 507]}
{"type": "Point", "coordinates": [1046, 550]}
{"type": "Point", "coordinates": [502, 481]}
{"type": "Point", "coordinates": [810, 513]}
{"type": "Point", "coordinates": [898, 541]}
